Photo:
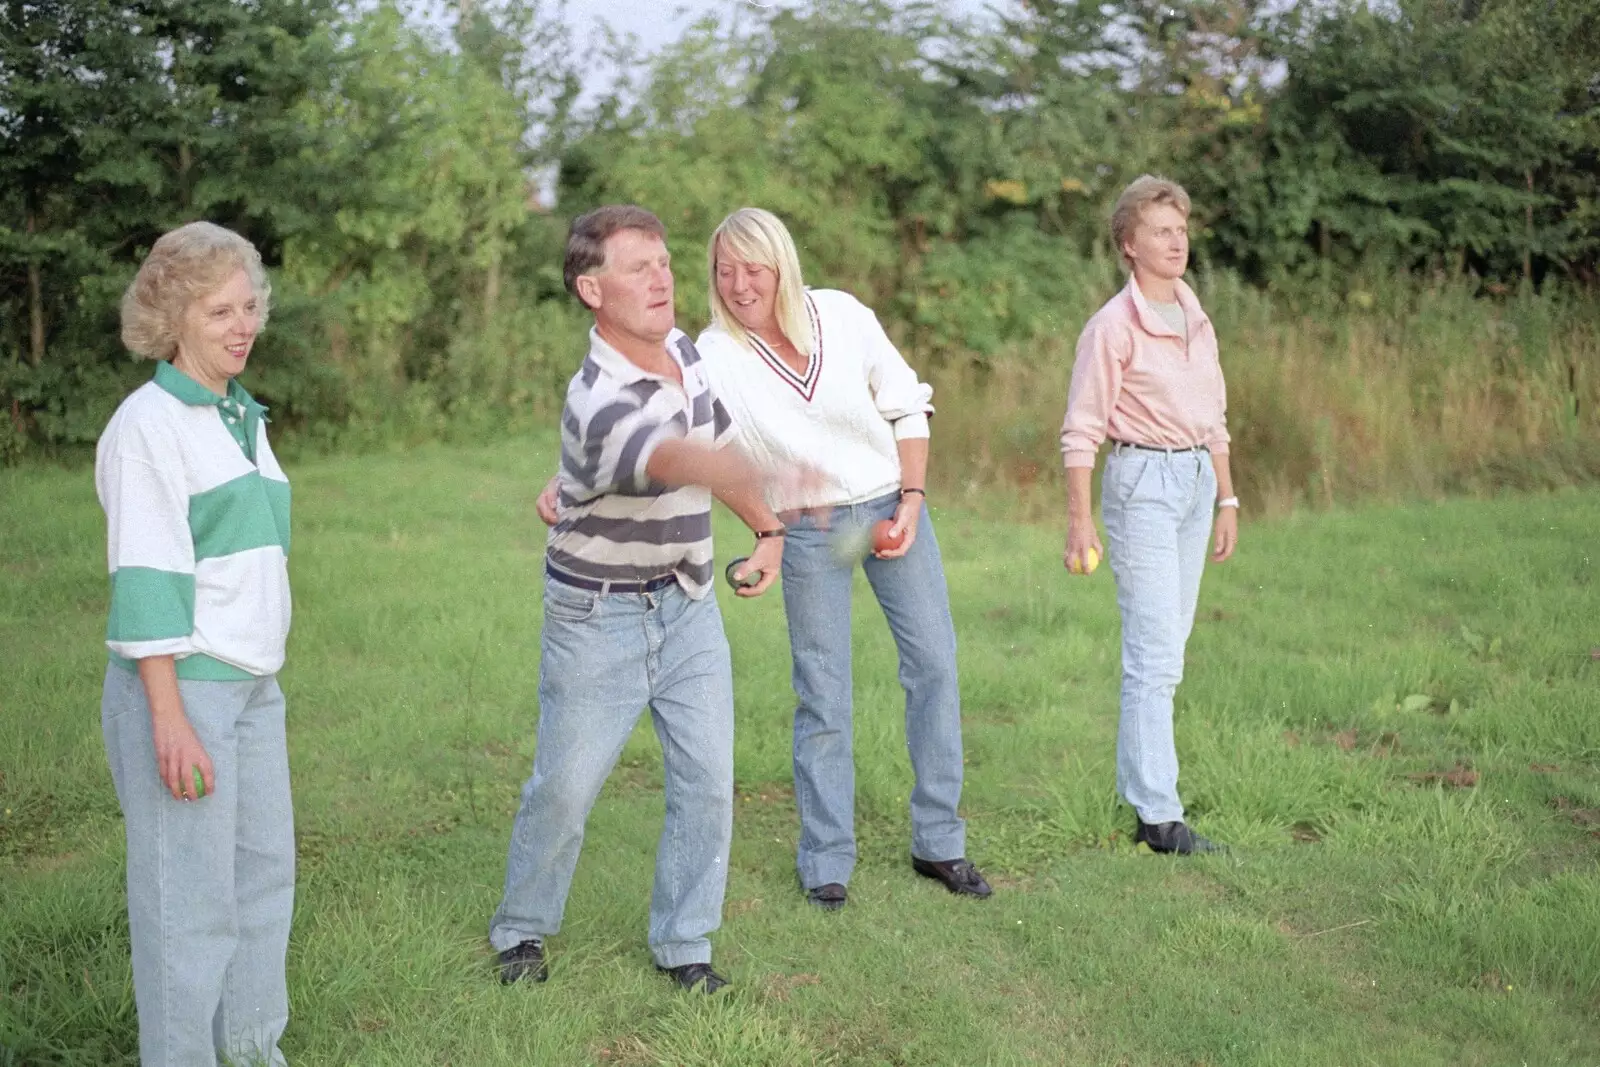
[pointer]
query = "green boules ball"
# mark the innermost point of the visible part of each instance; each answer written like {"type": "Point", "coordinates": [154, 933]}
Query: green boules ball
{"type": "Point", "coordinates": [199, 784]}
{"type": "Point", "coordinates": [753, 578]}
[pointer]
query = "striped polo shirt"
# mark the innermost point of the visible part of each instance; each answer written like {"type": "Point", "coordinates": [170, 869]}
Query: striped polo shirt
{"type": "Point", "coordinates": [197, 530]}
{"type": "Point", "coordinates": [616, 523]}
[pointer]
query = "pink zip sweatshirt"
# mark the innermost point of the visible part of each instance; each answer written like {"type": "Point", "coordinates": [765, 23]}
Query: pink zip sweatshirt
{"type": "Point", "coordinates": [1137, 380]}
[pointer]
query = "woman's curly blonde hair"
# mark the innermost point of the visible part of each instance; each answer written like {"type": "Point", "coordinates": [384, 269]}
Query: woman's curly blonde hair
{"type": "Point", "coordinates": [184, 265]}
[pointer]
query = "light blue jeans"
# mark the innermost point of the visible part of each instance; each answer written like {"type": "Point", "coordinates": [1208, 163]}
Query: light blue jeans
{"type": "Point", "coordinates": [210, 881]}
{"type": "Point", "coordinates": [604, 658]}
{"type": "Point", "coordinates": [1157, 508]}
{"type": "Point", "coordinates": [816, 599]}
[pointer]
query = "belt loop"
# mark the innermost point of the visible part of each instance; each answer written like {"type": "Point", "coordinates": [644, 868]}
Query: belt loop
{"type": "Point", "coordinates": [605, 587]}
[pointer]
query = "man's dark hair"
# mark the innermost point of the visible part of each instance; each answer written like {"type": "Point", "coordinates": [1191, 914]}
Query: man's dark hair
{"type": "Point", "coordinates": [586, 241]}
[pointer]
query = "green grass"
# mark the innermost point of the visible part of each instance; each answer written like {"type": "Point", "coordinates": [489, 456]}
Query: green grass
{"type": "Point", "coordinates": [1369, 914]}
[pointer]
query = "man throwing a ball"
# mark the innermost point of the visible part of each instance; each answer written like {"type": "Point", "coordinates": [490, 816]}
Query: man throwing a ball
{"type": "Point", "coordinates": [630, 616]}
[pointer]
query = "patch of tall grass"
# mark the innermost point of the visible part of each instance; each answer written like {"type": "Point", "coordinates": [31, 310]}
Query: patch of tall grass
{"type": "Point", "coordinates": [1387, 389]}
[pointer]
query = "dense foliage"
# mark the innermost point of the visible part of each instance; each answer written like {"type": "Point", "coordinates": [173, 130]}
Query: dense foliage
{"type": "Point", "coordinates": [958, 174]}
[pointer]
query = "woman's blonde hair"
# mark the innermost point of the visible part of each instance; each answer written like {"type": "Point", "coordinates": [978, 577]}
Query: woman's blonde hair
{"type": "Point", "coordinates": [184, 265]}
{"type": "Point", "coordinates": [758, 236]}
{"type": "Point", "coordinates": [1145, 191]}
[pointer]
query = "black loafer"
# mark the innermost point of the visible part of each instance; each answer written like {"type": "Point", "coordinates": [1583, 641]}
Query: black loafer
{"type": "Point", "coordinates": [958, 876]}
{"type": "Point", "coordinates": [523, 960]}
{"type": "Point", "coordinates": [693, 974]}
{"type": "Point", "coordinates": [1173, 838]}
{"type": "Point", "coordinates": [829, 897]}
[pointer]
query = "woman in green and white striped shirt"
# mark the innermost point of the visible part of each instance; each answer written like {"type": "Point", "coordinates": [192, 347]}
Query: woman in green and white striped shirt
{"type": "Point", "coordinates": [197, 523]}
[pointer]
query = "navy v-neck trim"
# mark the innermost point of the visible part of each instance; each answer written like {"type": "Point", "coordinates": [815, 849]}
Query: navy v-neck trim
{"type": "Point", "coordinates": [805, 385]}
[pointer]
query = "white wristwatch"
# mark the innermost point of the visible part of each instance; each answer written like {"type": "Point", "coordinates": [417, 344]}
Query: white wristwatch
{"type": "Point", "coordinates": [1228, 502]}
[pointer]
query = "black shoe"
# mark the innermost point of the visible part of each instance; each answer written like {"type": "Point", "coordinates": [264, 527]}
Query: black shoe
{"type": "Point", "coordinates": [958, 876]}
{"type": "Point", "coordinates": [829, 897]}
{"type": "Point", "coordinates": [524, 960]}
{"type": "Point", "coordinates": [693, 974]}
{"type": "Point", "coordinates": [1173, 837]}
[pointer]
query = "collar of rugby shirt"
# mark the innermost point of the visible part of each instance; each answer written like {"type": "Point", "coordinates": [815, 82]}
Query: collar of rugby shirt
{"type": "Point", "coordinates": [614, 363]}
{"type": "Point", "coordinates": [240, 412]}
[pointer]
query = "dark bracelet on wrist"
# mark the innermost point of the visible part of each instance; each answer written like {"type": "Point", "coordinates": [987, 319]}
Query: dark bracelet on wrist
{"type": "Point", "coordinates": [763, 534]}
{"type": "Point", "coordinates": [923, 493]}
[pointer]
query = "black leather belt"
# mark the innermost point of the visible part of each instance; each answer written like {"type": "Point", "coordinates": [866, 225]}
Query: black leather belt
{"type": "Point", "coordinates": [1156, 448]}
{"type": "Point", "coordinates": [596, 586]}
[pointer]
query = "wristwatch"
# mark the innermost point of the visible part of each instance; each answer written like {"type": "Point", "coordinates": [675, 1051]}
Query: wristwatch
{"type": "Point", "coordinates": [1228, 502]}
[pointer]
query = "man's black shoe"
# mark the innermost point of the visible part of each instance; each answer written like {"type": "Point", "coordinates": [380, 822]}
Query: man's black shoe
{"type": "Point", "coordinates": [958, 876]}
{"type": "Point", "coordinates": [1175, 838]}
{"type": "Point", "coordinates": [523, 960]}
{"type": "Point", "coordinates": [829, 897]}
{"type": "Point", "coordinates": [693, 974]}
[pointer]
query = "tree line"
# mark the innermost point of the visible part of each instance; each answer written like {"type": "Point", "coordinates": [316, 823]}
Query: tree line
{"type": "Point", "coordinates": [954, 172]}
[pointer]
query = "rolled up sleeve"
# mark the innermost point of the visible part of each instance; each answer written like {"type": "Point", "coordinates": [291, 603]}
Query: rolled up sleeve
{"type": "Point", "coordinates": [901, 398]}
{"type": "Point", "coordinates": [150, 553]}
{"type": "Point", "coordinates": [1217, 440]}
{"type": "Point", "coordinates": [1103, 353]}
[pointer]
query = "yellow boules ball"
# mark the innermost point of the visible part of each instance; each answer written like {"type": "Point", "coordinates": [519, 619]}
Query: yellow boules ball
{"type": "Point", "coordinates": [1091, 560]}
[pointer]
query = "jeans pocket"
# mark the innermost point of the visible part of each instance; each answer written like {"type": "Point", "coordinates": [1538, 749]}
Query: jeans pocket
{"type": "Point", "coordinates": [568, 603]}
{"type": "Point", "coordinates": [1128, 471]}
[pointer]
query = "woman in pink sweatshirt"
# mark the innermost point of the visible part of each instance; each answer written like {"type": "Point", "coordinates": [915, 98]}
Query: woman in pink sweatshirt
{"type": "Point", "coordinates": [1147, 381]}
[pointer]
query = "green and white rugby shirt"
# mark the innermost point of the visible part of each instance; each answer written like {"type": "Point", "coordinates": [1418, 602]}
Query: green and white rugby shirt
{"type": "Point", "coordinates": [197, 530]}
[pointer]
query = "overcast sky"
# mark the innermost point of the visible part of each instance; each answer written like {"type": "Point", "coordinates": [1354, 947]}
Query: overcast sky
{"type": "Point", "coordinates": [657, 22]}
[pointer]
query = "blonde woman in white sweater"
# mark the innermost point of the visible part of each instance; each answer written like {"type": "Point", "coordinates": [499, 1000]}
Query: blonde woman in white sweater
{"type": "Point", "coordinates": [811, 380]}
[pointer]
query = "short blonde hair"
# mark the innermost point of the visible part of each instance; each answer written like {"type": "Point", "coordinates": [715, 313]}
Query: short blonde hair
{"type": "Point", "coordinates": [1145, 191]}
{"type": "Point", "coordinates": [758, 236]}
{"type": "Point", "coordinates": [184, 265]}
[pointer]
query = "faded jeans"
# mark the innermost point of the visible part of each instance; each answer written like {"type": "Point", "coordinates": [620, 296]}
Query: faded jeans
{"type": "Point", "coordinates": [210, 881]}
{"type": "Point", "coordinates": [816, 598]}
{"type": "Point", "coordinates": [1157, 508]}
{"type": "Point", "coordinates": [604, 658]}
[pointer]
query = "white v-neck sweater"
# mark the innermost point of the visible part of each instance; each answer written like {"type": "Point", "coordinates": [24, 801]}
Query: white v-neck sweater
{"type": "Point", "coordinates": [842, 418]}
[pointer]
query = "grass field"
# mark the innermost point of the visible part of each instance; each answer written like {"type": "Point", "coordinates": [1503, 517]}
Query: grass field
{"type": "Point", "coordinates": [1393, 715]}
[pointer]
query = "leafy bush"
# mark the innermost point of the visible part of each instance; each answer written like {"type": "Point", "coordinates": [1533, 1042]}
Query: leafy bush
{"type": "Point", "coordinates": [1408, 191]}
